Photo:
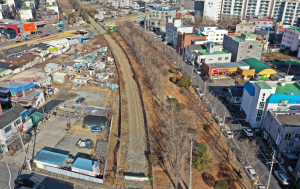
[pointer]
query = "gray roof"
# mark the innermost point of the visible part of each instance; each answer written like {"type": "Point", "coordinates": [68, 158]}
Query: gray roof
{"type": "Point", "coordinates": [11, 115]}
{"type": "Point", "coordinates": [197, 47]}
{"type": "Point", "coordinates": [14, 84]}
{"type": "Point", "coordinates": [47, 108]}
{"type": "Point", "coordinates": [43, 46]}
{"type": "Point", "coordinates": [13, 50]}
{"type": "Point", "coordinates": [8, 66]}
{"type": "Point", "coordinates": [289, 120]}
{"type": "Point", "coordinates": [95, 120]}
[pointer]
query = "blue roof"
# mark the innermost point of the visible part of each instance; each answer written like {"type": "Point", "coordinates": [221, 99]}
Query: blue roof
{"type": "Point", "coordinates": [250, 88]}
{"type": "Point", "coordinates": [211, 42]}
{"type": "Point", "coordinates": [276, 98]}
{"type": "Point", "coordinates": [51, 157]}
{"type": "Point", "coordinates": [85, 164]}
{"type": "Point", "coordinates": [21, 88]}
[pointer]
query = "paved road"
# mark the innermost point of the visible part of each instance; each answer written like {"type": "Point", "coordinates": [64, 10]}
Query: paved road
{"type": "Point", "coordinates": [124, 19]}
{"type": "Point", "coordinates": [137, 162]}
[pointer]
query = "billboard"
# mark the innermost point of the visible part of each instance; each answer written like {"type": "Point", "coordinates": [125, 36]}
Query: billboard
{"type": "Point", "coordinates": [29, 27]}
{"type": "Point", "coordinates": [9, 31]}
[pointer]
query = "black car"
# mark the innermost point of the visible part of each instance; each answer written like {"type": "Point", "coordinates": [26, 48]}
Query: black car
{"type": "Point", "coordinates": [24, 182]}
{"type": "Point", "coordinates": [80, 100]}
{"type": "Point", "coordinates": [19, 41]}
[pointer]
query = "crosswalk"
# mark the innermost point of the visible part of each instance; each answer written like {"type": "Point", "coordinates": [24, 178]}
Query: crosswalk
{"type": "Point", "coordinates": [38, 179]}
{"type": "Point", "coordinates": [234, 126]}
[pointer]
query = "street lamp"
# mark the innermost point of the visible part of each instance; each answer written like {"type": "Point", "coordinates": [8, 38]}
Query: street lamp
{"type": "Point", "coordinates": [9, 184]}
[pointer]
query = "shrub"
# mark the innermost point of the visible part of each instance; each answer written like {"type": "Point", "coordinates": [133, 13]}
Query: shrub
{"type": "Point", "coordinates": [151, 158]}
{"type": "Point", "coordinates": [201, 161]}
{"type": "Point", "coordinates": [165, 72]}
{"type": "Point", "coordinates": [84, 126]}
{"type": "Point", "coordinates": [208, 179]}
{"type": "Point", "coordinates": [174, 101]}
{"type": "Point", "coordinates": [174, 79]}
{"type": "Point", "coordinates": [207, 127]}
{"type": "Point", "coordinates": [174, 70]}
{"type": "Point", "coordinates": [179, 107]}
{"type": "Point", "coordinates": [220, 184]}
{"type": "Point", "coordinates": [88, 22]}
{"type": "Point", "coordinates": [185, 81]}
{"type": "Point", "coordinates": [202, 148]}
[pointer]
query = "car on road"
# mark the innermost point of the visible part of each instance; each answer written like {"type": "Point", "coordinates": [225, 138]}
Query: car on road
{"type": "Point", "coordinates": [248, 131]}
{"type": "Point", "coordinates": [197, 71]}
{"type": "Point", "coordinates": [250, 172]}
{"type": "Point", "coordinates": [96, 129]}
{"type": "Point", "coordinates": [26, 39]}
{"type": "Point", "coordinates": [260, 186]}
{"type": "Point", "coordinates": [18, 41]}
{"type": "Point", "coordinates": [24, 182]}
{"type": "Point", "coordinates": [47, 34]}
{"type": "Point", "coordinates": [282, 177]}
{"type": "Point", "coordinates": [205, 78]}
{"type": "Point", "coordinates": [227, 133]}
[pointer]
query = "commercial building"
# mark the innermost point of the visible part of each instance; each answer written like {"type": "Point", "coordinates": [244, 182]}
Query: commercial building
{"type": "Point", "coordinates": [185, 39]}
{"type": "Point", "coordinates": [213, 54]}
{"type": "Point", "coordinates": [261, 96]}
{"type": "Point", "coordinates": [291, 38]}
{"type": "Point", "coordinates": [173, 26]}
{"type": "Point", "coordinates": [223, 70]}
{"type": "Point", "coordinates": [243, 46]}
{"type": "Point", "coordinates": [51, 17]}
{"type": "Point", "coordinates": [212, 33]}
{"type": "Point", "coordinates": [262, 71]}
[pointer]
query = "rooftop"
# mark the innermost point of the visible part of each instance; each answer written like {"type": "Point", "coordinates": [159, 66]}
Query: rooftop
{"type": "Point", "coordinates": [3, 70]}
{"type": "Point", "coordinates": [204, 52]}
{"type": "Point", "coordinates": [288, 89]}
{"type": "Point", "coordinates": [16, 85]}
{"type": "Point", "coordinates": [228, 65]}
{"type": "Point", "coordinates": [95, 120]}
{"type": "Point", "coordinates": [25, 7]}
{"type": "Point", "coordinates": [47, 108]}
{"type": "Point", "coordinates": [289, 120]}
{"type": "Point", "coordinates": [256, 64]}
{"type": "Point", "coordinates": [295, 29]}
{"type": "Point", "coordinates": [249, 33]}
{"type": "Point", "coordinates": [11, 115]}
{"type": "Point", "coordinates": [85, 164]}
{"type": "Point", "coordinates": [263, 85]}
{"type": "Point", "coordinates": [51, 157]}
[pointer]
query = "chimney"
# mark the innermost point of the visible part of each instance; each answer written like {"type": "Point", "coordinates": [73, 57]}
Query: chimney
{"type": "Point", "coordinates": [1, 111]}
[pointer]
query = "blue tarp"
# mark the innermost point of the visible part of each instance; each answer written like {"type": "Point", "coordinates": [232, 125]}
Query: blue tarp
{"type": "Point", "coordinates": [26, 113]}
{"type": "Point", "coordinates": [111, 85]}
{"type": "Point", "coordinates": [22, 88]}
{"type": "Point", "coordinates": [51, 157]}
{"type": "Point", "coordinates": [78, 66]}
{"type": "Point", "coordinates": [85, 164]}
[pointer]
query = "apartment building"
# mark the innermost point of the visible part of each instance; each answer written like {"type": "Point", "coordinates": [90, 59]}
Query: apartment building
{"type": "Point", "coordinates": [279, 30]}
{"type": "Point", "coordinates": [243, 46]}
{"type": "Point", "coordinates": [52, 6]}
{"type": "Point", "coordinates": [290, 13]}
{"type": "Point", "coordinates": [212, 10]}
{"type": "Point", "coordinates": [291, 38]}
{"type": "Point", "coordinates": [173, 26]}
{"type": "Point", "coordinates": [50, 17]}
{"type": "Point", "coordinates": [161, 13]}
{"type": "Point", "coordinates": [121, 3]}
{"type": "Point", "coordinates": [212, 33]}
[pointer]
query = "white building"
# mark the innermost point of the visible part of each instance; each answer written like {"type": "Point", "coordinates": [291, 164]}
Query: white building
{"type": "Point", "coordinates": [161, 13]}
{"type": "Point", "coordinates": [52, 6]}
{"type": "Point", "coordinates": [135, 5]}
{"type": "Point", "coordinates": [213, 54]}
{"type": "Point", "coordinates": [26, 11]}
{"type": "Point", "coordinates": [287, 11]}
{"type": "Point", "coordinates": [261, 96]}
{"type": "Point", "coordinates": [212, 10]}
{"type": "Point", "coordinates": [212, 33]}
{"type": "Point", "coordinates": [291, 38]}
{"type": "Point", "coordinates": [121, 3]}
{"type": "Point", "coordinates": [173, 26]}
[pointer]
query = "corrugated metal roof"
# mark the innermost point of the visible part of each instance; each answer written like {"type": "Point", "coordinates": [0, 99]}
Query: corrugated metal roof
{"type": "Point", "coordinates": [85, 164]}
{"type": "Point", "coordinates": [51, 157]}
{"type": "Point", "coordinates": [256, 64]}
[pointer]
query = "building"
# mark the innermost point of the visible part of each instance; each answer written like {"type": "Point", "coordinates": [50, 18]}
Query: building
{"type": "Point", "coordinates": [245, 27]}
{"type": "Point", "coordinates": [173, 26]}
{"type": "Point", "coordinates": [10, 124]}
{"type": "Point", "coordinates": [261, 96]}
{"type": "Point", "coordinates": [288, 12]}
{"type": "Point", "coordinates": [52, 6]}
{"type": "Point", "coordinates": [51, 17]}
{"type": "Point", "coordinates": [13, 68]}
{"type": "Point", "coordinates": [185, 39]}
{"type": "Point", "coordinates": [213, 54]}
{"type": "Point", "coordinates": [223, 70]}
{"type": "Point", "coordinates": [121, 3]}
{"type": "Point", "coordinates": [212, 33]}
{"type": "Point", "coordinates": [59, 77]}
{"type": "Point", "coordinates": [262, 34]}
{"type": "Point", "coordinates": [243, 46]}
{"type": "Point", "coordinates": [279, 30]}
{"type": "Point", "coordinates": [27, 11]}
{"type": "Point", "coordinates": [212, 10]}
{"type": "Point", "coordinates": [20, 93]}
{"type": "Point", "coordinates": [262, 22]}
{"type": "Point", "coordinates": [86, 166]}
{"type": "Point", "coordinates": [262, 71]}
{"type": "Point", "coordinates": [291, 38]}
{"type": "Point", "coordinates": [92, 121]}
{"type": "Point", "coordinates": [48, 158]}
{"type": "Point", "coordinates": [189, 4]}
{"type": "Point", "coordinates": [235, 95]}
{"type": "Point", "coordinates": [157, 17]}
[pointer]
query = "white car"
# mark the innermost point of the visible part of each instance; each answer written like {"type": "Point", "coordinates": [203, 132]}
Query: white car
{"type": "Point", "coordinates": [251, 173]}
{"type": "Point", "coordinates": [197, 71]}
{"type": "Point", "coordinates": [260, 186]}
{"type": "Point", "coordinates": [248, 131]}
{"type": "Point", "coordinates": [227, 133]}
{"type": "Point", "coordinates": [282, 177]}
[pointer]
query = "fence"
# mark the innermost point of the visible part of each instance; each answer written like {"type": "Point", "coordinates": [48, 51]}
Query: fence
{"type": "Point", "coordinates": [72, 174]}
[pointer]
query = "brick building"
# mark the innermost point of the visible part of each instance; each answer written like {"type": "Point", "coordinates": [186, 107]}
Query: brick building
{"type": "Point", "coordinates": [185, 39]}
{"type": "Point", "coordinates": [51, 17]}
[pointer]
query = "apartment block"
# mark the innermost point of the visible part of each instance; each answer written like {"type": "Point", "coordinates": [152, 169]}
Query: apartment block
{"type": "Point", "coordinates": [173, 26]}
{"type": "Point", "coordinates": [243, 46]}
{"type": "Point", "coordinates": [212, 10]}
{"type": "Point", "coordinates": [291, 38]}
{"type": "Point", "coordinates": [121, 3]}
{"type": "Point", "coordinates": [212, 33]}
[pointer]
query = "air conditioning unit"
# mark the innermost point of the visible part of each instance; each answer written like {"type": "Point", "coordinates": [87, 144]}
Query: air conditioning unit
{"type": "Point", "coordinates": [296, 139]}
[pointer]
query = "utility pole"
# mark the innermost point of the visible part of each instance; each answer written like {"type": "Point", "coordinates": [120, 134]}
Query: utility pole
{"type": "Point", "coordinates": [191, 157]}
{"type": "Point", "coordinates": [271, 169]}
{"type": "Point", "coordinates": [7, 166]}
{"type": "Point", "coordinates": [24, 149]}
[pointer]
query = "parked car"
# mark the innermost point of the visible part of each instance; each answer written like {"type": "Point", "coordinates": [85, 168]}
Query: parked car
{"type": "Point", "coordinates": [18, 41]}
{"type": "Point", "coordinates": [84, 143]}
{"type": "Point", "coordinates": [248, 131]}
{"type": "Point", "coordinates": [26, 39]}
{"type": "Point", "coordinates": [96, 129]}
{"type": "Point", "coordinates": [197, 71]}
{"type": "Point", "coordinates": [282, 177]}
{"type": "Point", "coordinates": [260, 186]}
{"type": "Point", "coordinates": [47, 34]}
{"type": "Point", "coordinates": [80, 100]}
{"type": "Point", "coordinates": [251, 173]}
{"type": "Point", "coordinates": [42, 36]}
{"type": "Point", "coordinates": [24, 182]}
{"type": "Point", "coordinates": [227, 133]}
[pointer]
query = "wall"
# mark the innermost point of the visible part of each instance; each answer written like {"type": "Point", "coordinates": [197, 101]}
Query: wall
{"type": "Point", "coordinates": [244, 28]}
{"type": "Point", "coordinates": [214, 58]}
{"type": "Point", "coordinates": [291, 40]}
{"type": "Point", "coordinates": [183, 40]}
{"type": "Point", "coordinates": [212, 10]}
{"type": "Point", "coordinates": [26, 14]}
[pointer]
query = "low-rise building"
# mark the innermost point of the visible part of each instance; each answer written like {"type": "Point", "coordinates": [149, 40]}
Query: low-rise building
{"type": "Point", "coordinates": [291, 38]}
{"type": "Point", "coordinates": [279, 30]}
{"type": "Point", "coordinates": [185, 39]}
{"type": "Point", "coordinates": [52, 6]}
{"type": "Point", "coordinates": [212, 33]}
{"type": "Point", "coordinates": [243, 46]}
{"type": "Point", "coordinates": [173, 26]}
{"type": "Point", "coordinates": [245, 27]}
{"type": "Point", "coordinates": [27, 11]}
{"type": "Point", "coordinates": [262, 71]}
{"type": "Point", "coordinates": [50, 16]}
{"type": "Point", "coordinates": [59, 77]}
{"type": "Point", "coordinates": [262, 22]}
{"type": "Point", "coordinates": [235, 95]}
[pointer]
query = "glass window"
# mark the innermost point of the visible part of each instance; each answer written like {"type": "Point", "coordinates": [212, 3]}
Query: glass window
{"type": "Point", "coordinates": [7, 129]}
{"type": "Point", "coordinates": [13, 93]}
{"type": "Point", "coordinates": [279, 129]}
{"type": "Point", "coordinates": [271, 119]}
{"type": "Point", "coordinates": [17, 122]}
{"type": "Point", "coordinates": [291, 144]}
{"type": "Point", "coordinates": [269, 127]}
{"type": "Point", "coordinates": [287, 136]}
{"type": "Point", "coordinates": [259, 45]}
{"type": "Point", "coordinates": [220, 58]}
{"type": "Point", "coordinates": [297, 135]}
{"type": "Point", "coordinates": [226, 58]}
{"type": "Point", "coordinates": [241, 52]}
{"type": "Point", "coordinates": [250, 47]}
{"type": "Point", "coordinates": [268, 113]}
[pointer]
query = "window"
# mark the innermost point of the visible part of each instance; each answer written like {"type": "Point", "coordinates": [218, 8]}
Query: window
{"type": "Point", "coordinates": [7, 129]}
{"type": "Point", "coordinates": [250, 47]}
{"type": "Point", "coordinates": [261, 105]}
{"type": "Point", "coordinates": [258, 56]}
{"type": "Point", "coordinates": [237, 99]}
{"type": "Point", "coordinates": [297, 135]}
{"type": "Point", "coordinates": [220, 58]}
{"type": "Point", "coordinates": [249, 76]}
{"type": "Point", "coordinates": [271, 119]}
{"type": "Point", "coordinates": [13, 93]}
{"type": "Point", "coordinates": [284, 102]}
{"type": "Point", "coordinates": [221, 34]}
{"type": "Point", "coordinates": [259, 45]}
{"type": "Point", "coordinates": [248, 51]}
{"type": "Point", "coordinates": [287, 136]}
{"type": "Point", "coordinates": [2, 94]}
{"type": "Point", "coordinates": [242, 46]}
{"type": "Point", "coordinates": [258, 118]}
{"type": "Point", "coordinates": [269, 127]}
{"type": "Point", "coordinates": [217, 38]}
{"type": "Point", "coordinates": [241, 52]}
{"type": "Point", "coordinates": [268, 113]}
{"type": "Point", "coordinates": [291, 144]}
{"type": "Point", "coordinates": [259, 113]}
{"type": "Point", "coordinates": [17, 122]}
{"type": "Point", "coordinates": [226, 58]}
{"type": "Point", "coordinates": [217, 34]}
{"type": "Point", "coordinates": [279, 129]}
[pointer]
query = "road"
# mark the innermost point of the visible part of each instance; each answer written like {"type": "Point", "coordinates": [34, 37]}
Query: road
{"type": "Point", "coordinates": [136, 159]}
{"type": "Point", "coordinates": [120, 20]}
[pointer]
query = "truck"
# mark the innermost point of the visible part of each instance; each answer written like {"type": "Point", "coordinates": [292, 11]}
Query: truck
{"type": "Point", "coordinates": [85, 143]}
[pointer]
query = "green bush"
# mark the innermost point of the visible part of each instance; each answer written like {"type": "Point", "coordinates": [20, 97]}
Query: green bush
{"type": "Point", "coordinates": [165, 72]}
{"type": "Point", "coordinates": [185, 81]}
{"type": "Point", "coordinates": [220, 184]}
{"type": "Point", "coordinates": [207, 127]}
{"type": "Point", "coordinates": [202, 148]}
{"type": "Point", "coordinates": [174, 70]}
{"type": "Point", "coordinates": [84, 126]}
{"type": "Point", "coordinates": [181, 106]}
{"type": "Point", "coordinates": [88, 22]}
{"type": "Point", "coordinates": [201, 161]}
{"type": "Point", "coordinates": [174, 79]}
{"type": "Point", "coordinates": [174, 101]}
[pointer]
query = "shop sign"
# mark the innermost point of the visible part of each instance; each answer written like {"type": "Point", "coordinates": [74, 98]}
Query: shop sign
{"type": "Point", "coordinates": [278, 140]}
{"type": "Point", "coordinates": [140, 179]}
{"type": "Point", "coordinates": [10, 135]}
{"type": "Point", "coordinates": [221, 70]}
{"type": "Point", "coordinates": [40, 23]}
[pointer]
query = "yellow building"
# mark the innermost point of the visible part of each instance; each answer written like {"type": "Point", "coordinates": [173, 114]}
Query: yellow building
{"type": "Point", "coordinates": [262, 71]}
